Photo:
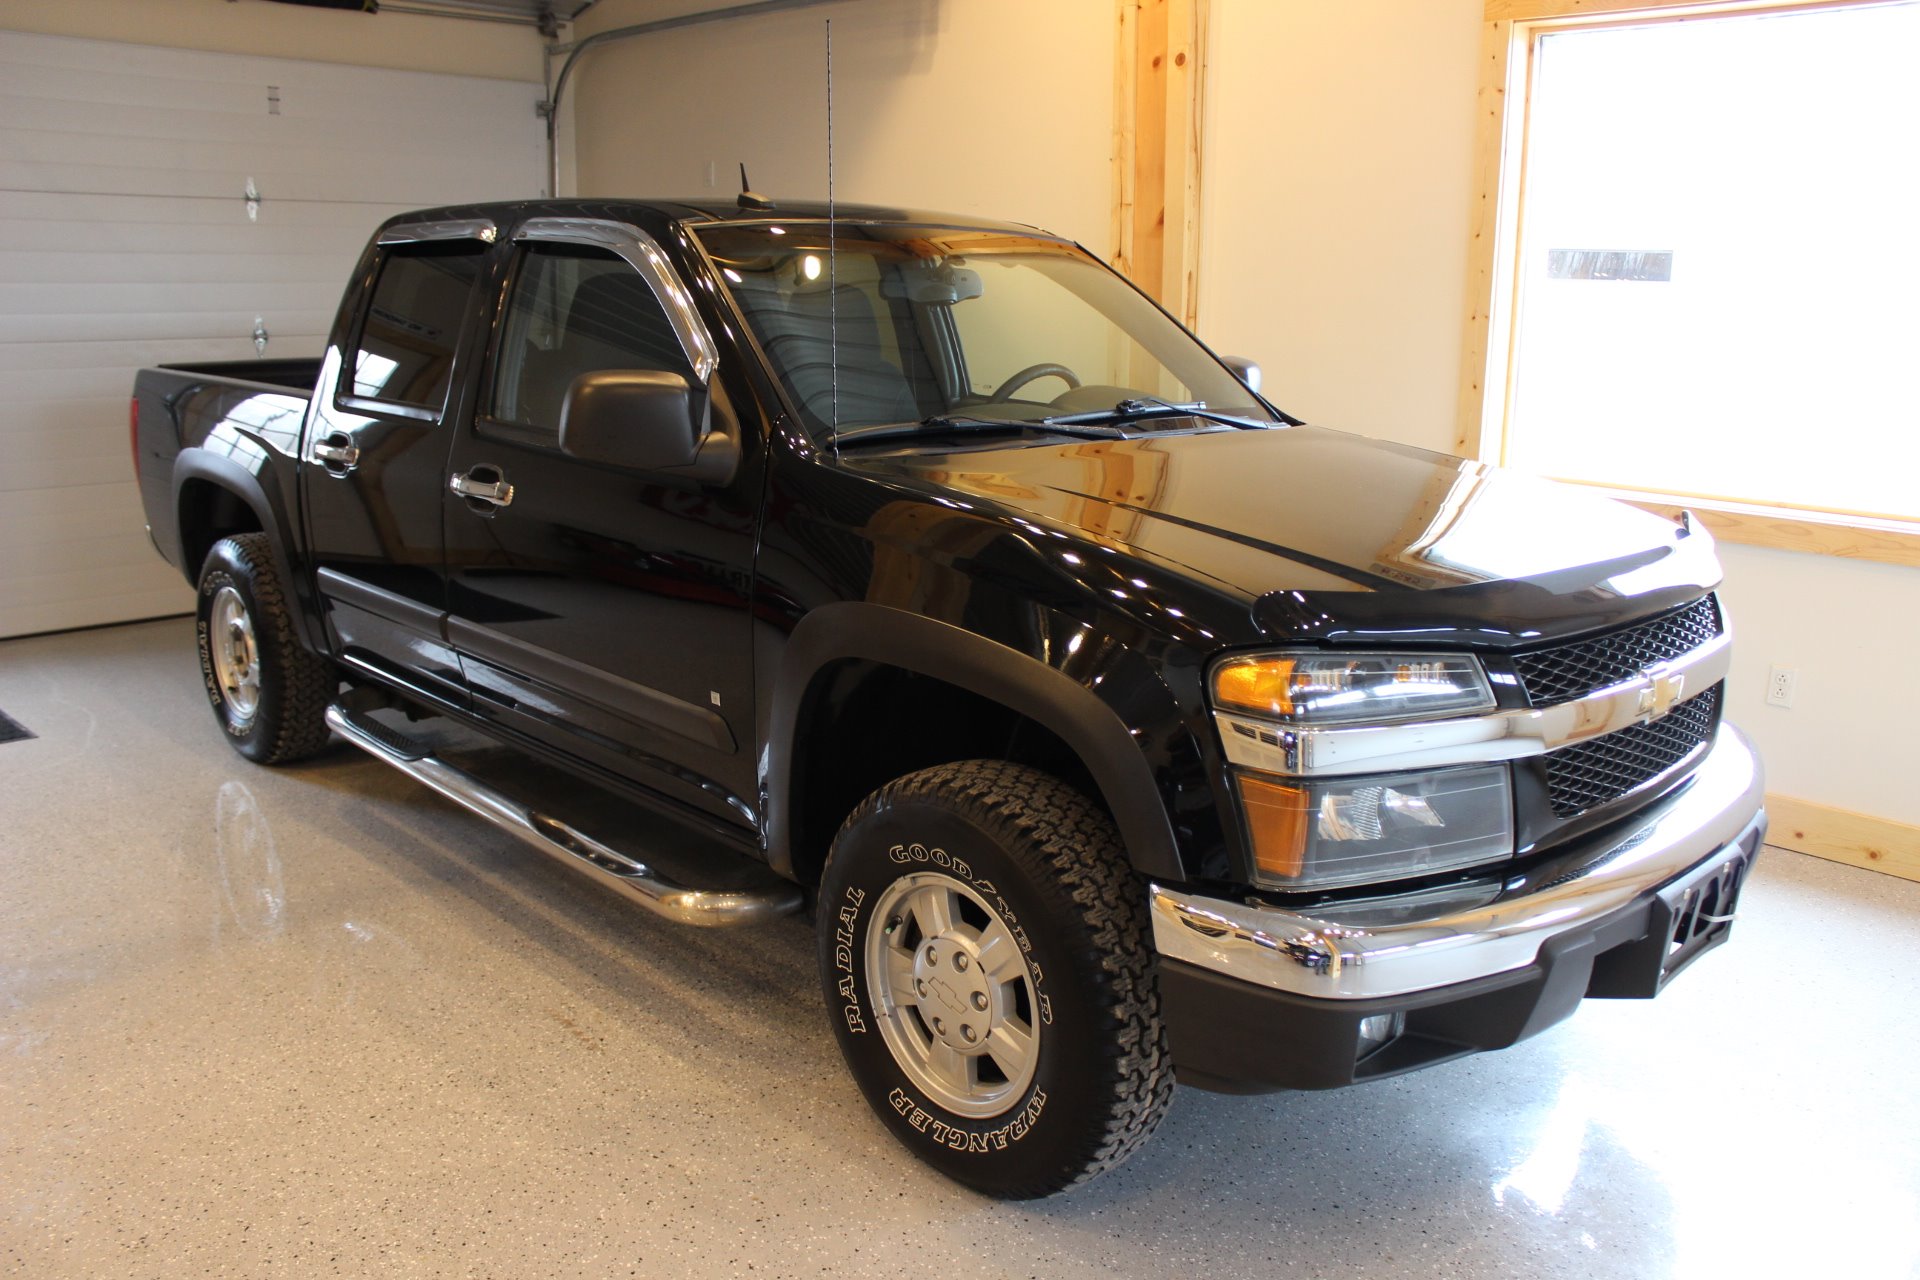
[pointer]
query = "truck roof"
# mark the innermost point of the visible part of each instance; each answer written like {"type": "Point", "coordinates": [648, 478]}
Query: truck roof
{"type": "Point", "coordinates": [654, 212]}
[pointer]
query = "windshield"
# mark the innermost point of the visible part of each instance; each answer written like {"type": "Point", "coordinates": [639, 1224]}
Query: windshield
{"type": "Point", "coordinates": [933, 322]}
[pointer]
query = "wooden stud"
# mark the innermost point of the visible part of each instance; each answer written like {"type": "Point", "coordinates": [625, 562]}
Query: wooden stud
{"type": "Point", "coordinates": [1483, 268]}
{"type": "Point", "coordinates": [1125, 44]}
{"type": "Point", "coordinates": [1159, 57]}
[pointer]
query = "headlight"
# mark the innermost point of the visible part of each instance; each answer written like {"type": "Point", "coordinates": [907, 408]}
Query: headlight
{"type": "Point", "coordinates": [1382, 826]}
{"type": "Point", "coordinates": [1341, 688]}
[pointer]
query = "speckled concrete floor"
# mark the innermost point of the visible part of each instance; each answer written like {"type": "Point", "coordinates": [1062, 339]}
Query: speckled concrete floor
{"type": "Point", "coordinates": [317, 1022]}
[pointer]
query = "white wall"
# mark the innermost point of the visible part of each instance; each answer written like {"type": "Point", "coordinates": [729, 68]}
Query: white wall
{"type": "Point", "coordinates": [1336, 164]}
{"type": "Point", "coordinates": [1001, 108]}
{"type": "Point", "coordinates": [1338, 179]}
{"type": "Point", "coordinates": [1847, 627]}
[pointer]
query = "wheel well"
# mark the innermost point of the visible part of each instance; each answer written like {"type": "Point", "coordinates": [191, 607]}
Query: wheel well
{"type": "Point", "coordinates": [863, 724]}
{"type": "Point", "coordinates": [209, 513]}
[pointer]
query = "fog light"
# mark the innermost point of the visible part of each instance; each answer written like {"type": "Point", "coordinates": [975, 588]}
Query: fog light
{"type": "Point", "coordinates": [1378, 1030]}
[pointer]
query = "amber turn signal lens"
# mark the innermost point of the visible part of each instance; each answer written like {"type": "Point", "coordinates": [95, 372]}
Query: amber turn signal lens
{"type": "Point", "coordinates": [1277, 824]}
{"type": "Point", "coordinates": [1257, 684]}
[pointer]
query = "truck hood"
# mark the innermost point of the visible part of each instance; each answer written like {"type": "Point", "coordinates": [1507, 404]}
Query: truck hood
{"type": "Point", "coordinates": [1335, 537]}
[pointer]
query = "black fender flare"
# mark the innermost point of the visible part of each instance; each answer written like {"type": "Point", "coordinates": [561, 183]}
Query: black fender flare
{"type": "Point", "coordinates": [1070, 710]}
{"type": "Point", "coordinates": [223, 472]}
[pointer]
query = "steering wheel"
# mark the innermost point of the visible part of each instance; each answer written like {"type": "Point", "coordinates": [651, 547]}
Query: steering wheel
{"type": "Point", "coordinates": [1032, 372]}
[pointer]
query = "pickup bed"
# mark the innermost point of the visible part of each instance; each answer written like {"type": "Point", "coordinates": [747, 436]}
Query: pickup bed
{"type": "Point", "coordinates": [1115, 726]}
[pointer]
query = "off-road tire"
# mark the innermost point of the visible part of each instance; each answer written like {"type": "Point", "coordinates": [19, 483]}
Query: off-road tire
{"type": "Point", "coordinates": [1050, 864]}
{"type": "Point", "coordinates": [294, 685]}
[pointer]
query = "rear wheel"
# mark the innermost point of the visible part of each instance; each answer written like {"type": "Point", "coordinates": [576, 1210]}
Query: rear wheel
{"type": "Point", "coordinates": [268, 692]}
{"type": "Point", "coordinates": [984, 950]}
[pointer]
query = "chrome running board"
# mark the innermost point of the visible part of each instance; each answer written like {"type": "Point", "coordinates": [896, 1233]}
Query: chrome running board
{"type": "Point", "coordinates": [623, 873]}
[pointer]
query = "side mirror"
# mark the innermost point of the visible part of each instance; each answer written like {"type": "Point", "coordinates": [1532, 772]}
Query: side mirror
{"type": "Point", "coordinates": [643, 419]}
{"type": "Point", "coordinates": [650, 420]}
{"type": "Point", "coordinates": [1245, 370]}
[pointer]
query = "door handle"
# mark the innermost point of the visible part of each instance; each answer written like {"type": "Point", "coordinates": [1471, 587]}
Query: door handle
{"type": "Point", "coordinates": [337, 450]}
{"type": "Point", "coordinates": [496, 492]}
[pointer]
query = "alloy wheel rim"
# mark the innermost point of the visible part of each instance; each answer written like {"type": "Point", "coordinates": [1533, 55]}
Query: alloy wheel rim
{"type": "Point", "coordinates": [236, 658]}
{"type": "Point", "coordinates": [953, 995]}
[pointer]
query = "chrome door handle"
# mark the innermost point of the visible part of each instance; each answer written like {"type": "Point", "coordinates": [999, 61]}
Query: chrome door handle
{"type": "Point", "coordinates": [337, 450]}
{"type": "Point", "coordinates": [494, 492]}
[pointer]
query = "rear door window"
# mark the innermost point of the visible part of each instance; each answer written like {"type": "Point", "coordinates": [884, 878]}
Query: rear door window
{"type": "Point", "coordinates": [423, 295]}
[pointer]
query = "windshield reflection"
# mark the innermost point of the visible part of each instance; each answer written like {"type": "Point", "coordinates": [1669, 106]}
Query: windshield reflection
{"type": "Point", "coordinates": [905, 324]}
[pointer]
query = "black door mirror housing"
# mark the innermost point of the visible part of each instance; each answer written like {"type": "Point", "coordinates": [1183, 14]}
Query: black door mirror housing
{"type": "Point", "coordinates": [643, 419]}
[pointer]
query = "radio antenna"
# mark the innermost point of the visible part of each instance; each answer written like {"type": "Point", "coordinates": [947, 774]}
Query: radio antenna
{"type": "Point", "coordinates": [833, 277]}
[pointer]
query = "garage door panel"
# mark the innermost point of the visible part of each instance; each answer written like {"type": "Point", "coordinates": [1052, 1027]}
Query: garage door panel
{"type": "Point", "coordinates": [59, 67]}
{"type": "Point", "coordinates": [105, 267]}
{"type": "Point", "coordinates": [412, 183]}
{"type": "Point", "coordinates": [42, 77]}
{"type": "Point", "coordinates": [72, 544]}
{"type": "Point", "coordinates": [72, 557]}
{"type": "Point", "coordinates": [97, 511]}
{"type": "Point", "coordinates": [67, 459]}
{"type": "Point", "coordinates": [174, 326]}
{"type": "Point", "coordinates": [125, 241]}
{"type": "Point", "coordinates": [127, 356]}
{"type": "Point", "coordinates": [128, 605]}
{"type": "Point", "coordinates": [92, 211]}
{"type": "Point", "coordinates": [83, 583]}
{"type": "Point", "coordinates": [27, 390]}
{"type": "Point", "coordinates": [141, 76]}
{"type": "Point", "coordinates": [67, 416]}
{"type": "Point", "coordinates": [266, 238]}
{"type": "Point", "coordinates": [246, 122]}
{"type": "Point", "coordinates": [106, 299]}
{"type": "Point", "coordinates": [336, 169]}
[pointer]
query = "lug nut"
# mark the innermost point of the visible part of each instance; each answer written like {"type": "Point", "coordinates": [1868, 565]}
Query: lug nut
{"type": "Point", "coordinates": [980, 1000]}
{"type": "Point", "coordinates": [968, 1034]}
{"type": "Point", "coordinates": [931, 958]}
{"type": "Point", "coordinates": [920, 985]}
{"type": "Point", "coordinates": [960, 961]}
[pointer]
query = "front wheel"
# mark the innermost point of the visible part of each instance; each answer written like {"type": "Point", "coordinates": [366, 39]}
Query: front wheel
{"type": "Point", "coordinates": [268, 692]}
{"type": "Point", "coordinates": [984, 950]}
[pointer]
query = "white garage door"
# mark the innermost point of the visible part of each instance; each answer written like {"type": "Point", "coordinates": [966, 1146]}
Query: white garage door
{"type": "Point", "coordinates": [126, 240]}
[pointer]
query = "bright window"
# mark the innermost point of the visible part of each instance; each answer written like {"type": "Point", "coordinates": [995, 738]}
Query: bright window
{"type": "Point", "coordinates": [1714, 259]}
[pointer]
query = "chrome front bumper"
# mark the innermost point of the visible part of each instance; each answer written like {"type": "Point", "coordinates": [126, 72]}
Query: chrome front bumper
{"type": "Point", "coordinates": [1396, 945]}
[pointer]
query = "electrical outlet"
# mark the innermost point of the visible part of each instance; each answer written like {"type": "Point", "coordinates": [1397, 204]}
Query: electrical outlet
{"type": "Point", "coordinates": [1780, 686]}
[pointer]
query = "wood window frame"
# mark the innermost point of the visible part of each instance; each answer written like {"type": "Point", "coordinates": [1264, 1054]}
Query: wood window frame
{"type": "Point", "coordinates": [1508, 40]}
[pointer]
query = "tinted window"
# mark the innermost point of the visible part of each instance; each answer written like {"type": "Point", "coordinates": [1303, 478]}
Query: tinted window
{"type": "Point", "coordinates": [574, 310]}
{"type": "Point", "coordinates": [419, 303]}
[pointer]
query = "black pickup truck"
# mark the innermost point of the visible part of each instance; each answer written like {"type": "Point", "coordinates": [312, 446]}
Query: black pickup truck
{"type": "Point", "coordinates": [1115, 725]}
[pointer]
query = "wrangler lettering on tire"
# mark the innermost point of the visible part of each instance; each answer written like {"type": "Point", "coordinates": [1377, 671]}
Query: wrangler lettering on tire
{"type": "Point", "coordinates": [987, 961]}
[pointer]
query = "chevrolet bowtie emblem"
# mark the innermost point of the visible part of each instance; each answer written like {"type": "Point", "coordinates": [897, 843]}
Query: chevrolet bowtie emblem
{"type": "Point", "coordinates": [1659, 697]}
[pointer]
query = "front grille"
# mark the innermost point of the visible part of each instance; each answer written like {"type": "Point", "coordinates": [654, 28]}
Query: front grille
{"type": "Point", "coordinates": [1564, 672]}
{"type": "Point", "coordinates": [1583, 777]}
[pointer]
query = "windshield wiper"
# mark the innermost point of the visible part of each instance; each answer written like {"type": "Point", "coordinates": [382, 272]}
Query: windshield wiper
{"type": "Point", "coordinates": [960, 424]}
{"type": "Point", "coordinates": [1138, 410]}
